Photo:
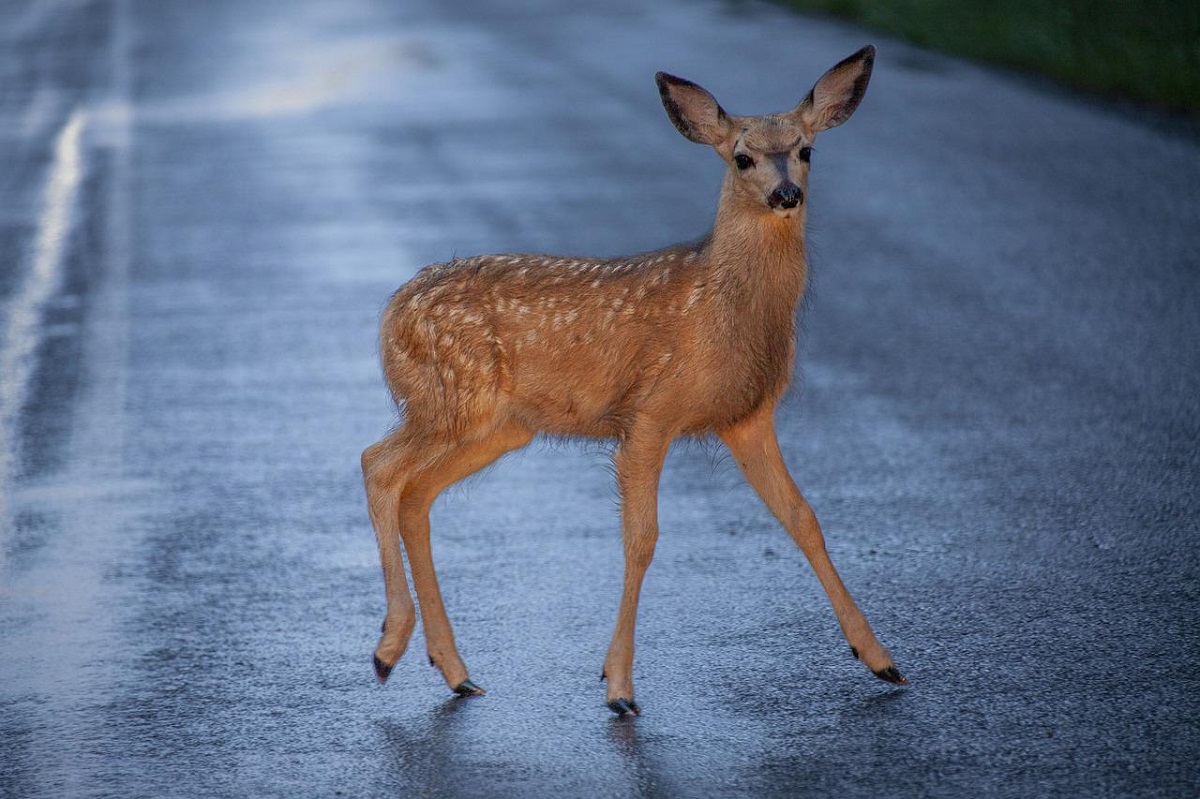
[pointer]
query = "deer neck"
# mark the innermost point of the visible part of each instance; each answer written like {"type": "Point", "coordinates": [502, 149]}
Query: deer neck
{"type": "Point", "coordinates": [757, 255]}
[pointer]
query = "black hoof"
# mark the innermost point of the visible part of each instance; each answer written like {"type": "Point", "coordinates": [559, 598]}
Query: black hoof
{"type": "Point", "coordinates": [624, 707]}
{"type": "Point", "coordinates": [468, 688]}
{"type": "Point", "coordinates": [382, 670]}
{"type": "Point", "coordinates": [891, 675]}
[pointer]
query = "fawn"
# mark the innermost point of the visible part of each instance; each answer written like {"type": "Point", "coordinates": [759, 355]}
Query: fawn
{"type": "Point", "coordinates": [483, 353]}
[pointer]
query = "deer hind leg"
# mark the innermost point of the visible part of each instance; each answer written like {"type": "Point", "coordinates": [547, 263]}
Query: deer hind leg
{"type": "Point", "coordinates": [755, 447]}
{"type": "Point", "coordinates": [639, 463]}
{"type": "Point", "coordinates": [416, 498]}
{"type": "Point", "coordinates": [386, 465]}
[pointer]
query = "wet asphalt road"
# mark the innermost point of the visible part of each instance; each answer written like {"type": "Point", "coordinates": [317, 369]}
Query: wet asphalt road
{"type": "Point", "coordinates": [205, 206]}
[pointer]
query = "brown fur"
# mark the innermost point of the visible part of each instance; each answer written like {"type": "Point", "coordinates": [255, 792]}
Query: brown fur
{"type": "Point", "coordinates": [485, 352]}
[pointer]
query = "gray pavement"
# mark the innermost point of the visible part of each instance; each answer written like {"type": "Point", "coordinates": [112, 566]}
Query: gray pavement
{"type": "Point", "coordinates": [203, 208]}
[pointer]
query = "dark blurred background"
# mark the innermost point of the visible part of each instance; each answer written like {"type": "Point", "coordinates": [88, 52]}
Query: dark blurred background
{"type": "Point", "coordinates": [1142, 50]}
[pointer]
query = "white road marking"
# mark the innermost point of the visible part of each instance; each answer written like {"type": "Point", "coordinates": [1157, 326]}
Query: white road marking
{"type": "Point", "coordinates": [22, 335]}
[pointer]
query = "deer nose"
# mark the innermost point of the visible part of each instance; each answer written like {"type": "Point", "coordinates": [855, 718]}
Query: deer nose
{"type": "Point", "coordinates": [788, 195]}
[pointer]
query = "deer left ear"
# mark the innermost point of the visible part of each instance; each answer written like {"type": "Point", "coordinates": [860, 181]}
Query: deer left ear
{"type": "Point", "coordinates": [839, 91]}
{"type": "Point", "coordinates": [695, 113]}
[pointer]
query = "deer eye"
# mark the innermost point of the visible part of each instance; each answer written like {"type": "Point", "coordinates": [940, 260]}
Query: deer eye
{"type": "Point", "coordinates": [743, 161]}
{"type": "Point", "coordinates": [805, 154]}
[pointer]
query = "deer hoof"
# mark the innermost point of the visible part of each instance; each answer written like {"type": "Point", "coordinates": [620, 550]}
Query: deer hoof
{"type": "Point", "coordinates": [382, 670]}
{"type": "Point", "coordinates": [624, 707]}
{"type": "Point", "coordinates": [890, 674]}
{"type": "Point", "coordinates": [468, 688]}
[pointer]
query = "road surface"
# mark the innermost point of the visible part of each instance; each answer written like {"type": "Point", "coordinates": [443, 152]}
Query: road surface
{"type": "Point", "coordinates": [206, 205]}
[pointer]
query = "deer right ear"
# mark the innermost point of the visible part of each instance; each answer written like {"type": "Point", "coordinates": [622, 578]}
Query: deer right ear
{"type": "Point", "coordinates": [695, 113]}
{"type": "Point", "coordinates": [839, 91]}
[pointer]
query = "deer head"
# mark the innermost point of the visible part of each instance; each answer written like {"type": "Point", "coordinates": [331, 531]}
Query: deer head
{"type": "Point", "coordinates": [768, 156]}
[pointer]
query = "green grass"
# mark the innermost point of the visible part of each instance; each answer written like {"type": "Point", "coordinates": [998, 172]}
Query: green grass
{"type": "Point", "coordinates": [1142, 50]}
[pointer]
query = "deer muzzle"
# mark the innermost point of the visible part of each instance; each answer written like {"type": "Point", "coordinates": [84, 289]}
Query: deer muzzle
{"type": "Point", "coordinates": [786, 195]}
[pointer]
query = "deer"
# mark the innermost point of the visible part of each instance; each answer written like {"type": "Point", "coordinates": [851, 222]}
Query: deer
{"type": "Point", "coordinates": [482, 354]}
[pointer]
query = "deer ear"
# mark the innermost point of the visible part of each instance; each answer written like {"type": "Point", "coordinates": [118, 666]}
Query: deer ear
{"type": "Point", "coordinates": [839, 91]}
{"type": "Point", "coordinates": [695, 112]}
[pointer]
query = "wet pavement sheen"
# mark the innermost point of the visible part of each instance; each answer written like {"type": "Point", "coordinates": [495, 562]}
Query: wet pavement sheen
{"type": "Point", "coordinates": [205, 207]}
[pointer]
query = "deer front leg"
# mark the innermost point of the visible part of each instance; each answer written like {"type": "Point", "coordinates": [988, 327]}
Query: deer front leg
{"type": "Point", "coordinates": [639, 463]}
{"type": "Point", "coordinates": [755, 447]}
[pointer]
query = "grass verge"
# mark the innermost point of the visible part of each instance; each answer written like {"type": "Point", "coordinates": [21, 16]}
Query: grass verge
{"type": "Point", "coordinates": [1142, 50]}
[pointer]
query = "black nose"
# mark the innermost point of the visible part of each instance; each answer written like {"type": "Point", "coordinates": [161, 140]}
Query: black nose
{"type": "Point", "coordinates": [786, 196]}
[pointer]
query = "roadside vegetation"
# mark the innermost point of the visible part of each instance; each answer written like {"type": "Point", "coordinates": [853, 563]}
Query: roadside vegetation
{"type": "Point", "coordinates": [1147, 51]}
